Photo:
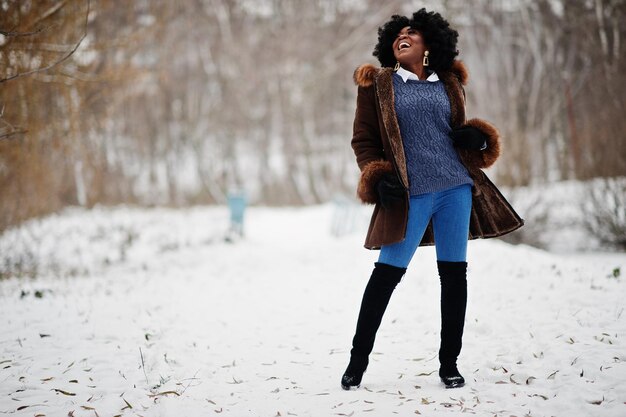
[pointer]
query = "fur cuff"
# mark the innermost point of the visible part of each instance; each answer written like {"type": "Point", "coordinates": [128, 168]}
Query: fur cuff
{"type": "Point", "coordinates": [371, 174]}
{"type": "Point", "coordinates": [486, 158]}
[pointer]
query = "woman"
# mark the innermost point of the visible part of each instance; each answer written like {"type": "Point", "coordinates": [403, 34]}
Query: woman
{"type": "Point", "coordinates": [420, 162]}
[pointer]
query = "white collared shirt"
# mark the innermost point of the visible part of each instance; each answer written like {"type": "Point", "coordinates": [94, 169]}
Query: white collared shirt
{"type": "Point", "coordinates": [408, 75]}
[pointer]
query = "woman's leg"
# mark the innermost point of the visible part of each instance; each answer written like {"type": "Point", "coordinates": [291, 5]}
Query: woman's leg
{"type": "Point", "coordinates": [451, 228]}
{"type": "Point", "coordinates": [451, 219]}
{"type": "Point", "coordinates": [377, 293]}
{"type": "Point", "coordinates": [400, 254]}
{"type": "Point", "coordinates": [387, 273]}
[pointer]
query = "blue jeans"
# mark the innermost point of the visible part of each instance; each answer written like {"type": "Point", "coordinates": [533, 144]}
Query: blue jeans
{"type": "Point", "coordinates": [450, 212]}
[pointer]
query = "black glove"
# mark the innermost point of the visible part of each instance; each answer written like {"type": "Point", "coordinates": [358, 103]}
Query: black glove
{"type": "Point", "coordinates": [468, 137]}
{"type": "Point", "coordinates": [389, 190]}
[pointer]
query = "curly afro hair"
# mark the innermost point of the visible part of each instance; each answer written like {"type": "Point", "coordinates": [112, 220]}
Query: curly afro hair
{"type": "Point", "coordinates": [440, 38]}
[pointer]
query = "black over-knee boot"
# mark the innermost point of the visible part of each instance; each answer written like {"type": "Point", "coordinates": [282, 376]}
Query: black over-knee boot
{"type": "Point", "coordinates": [453, 303]}
{"type": "Point", "coordinates": [377, 293]}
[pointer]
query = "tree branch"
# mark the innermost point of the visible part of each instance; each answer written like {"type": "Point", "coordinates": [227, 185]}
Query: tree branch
{"type": "Point", "coordinates": [11, 33]}
{"type": "Point", "coordinates": [54, 64]}
{"type": "Point", "coordinates": [10, 130]}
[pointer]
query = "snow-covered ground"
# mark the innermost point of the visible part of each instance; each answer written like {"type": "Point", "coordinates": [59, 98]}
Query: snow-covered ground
{"type": "Point", "coordinates": [151, 313]}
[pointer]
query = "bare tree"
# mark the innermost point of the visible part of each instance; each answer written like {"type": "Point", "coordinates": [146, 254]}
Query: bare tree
{"type": "Point", "coordinates": [161, 102]}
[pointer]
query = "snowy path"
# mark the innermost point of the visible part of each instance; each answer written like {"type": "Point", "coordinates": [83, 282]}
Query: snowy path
{"type": "Point", "coordinates": [263, 327]}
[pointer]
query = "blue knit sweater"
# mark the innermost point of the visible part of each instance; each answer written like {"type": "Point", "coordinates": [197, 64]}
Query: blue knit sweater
{"type": "Point", "coordinates": [423, 112]}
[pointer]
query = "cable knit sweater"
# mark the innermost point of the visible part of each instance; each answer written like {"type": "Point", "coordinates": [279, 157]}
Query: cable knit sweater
{"type": "Point", "coordinates": [423, 113]}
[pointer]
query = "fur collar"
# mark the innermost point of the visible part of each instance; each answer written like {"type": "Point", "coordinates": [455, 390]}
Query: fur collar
{"type": "Point", "coordinates": [365, 74]}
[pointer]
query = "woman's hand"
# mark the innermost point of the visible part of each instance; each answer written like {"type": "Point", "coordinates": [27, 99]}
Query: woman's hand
{"type": "Point", "coordinates": [469, 137]}
{"type": "Point", "coordinates": [389, 190]}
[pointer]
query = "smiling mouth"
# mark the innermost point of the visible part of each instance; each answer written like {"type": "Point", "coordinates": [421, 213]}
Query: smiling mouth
{"type": "Point", "coordinates": [403, 45]}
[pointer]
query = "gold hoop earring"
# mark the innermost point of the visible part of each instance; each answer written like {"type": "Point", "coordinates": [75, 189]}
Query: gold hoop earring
{"type": "Point", "coordinates": [425, 61]}
{"type": "Point", "coordinates": [397, 66]}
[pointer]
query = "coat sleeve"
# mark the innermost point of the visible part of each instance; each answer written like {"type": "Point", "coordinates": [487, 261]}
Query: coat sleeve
{"type": "Point", "coordinates": [479, 159]}
{"type": "Point", "coordinates": [367, 145]}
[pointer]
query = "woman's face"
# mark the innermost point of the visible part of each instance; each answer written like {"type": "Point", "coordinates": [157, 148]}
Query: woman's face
{"type": "Point", "coordinates": [408, 48]}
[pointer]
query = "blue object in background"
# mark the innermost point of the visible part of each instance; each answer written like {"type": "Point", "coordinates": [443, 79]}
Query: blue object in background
{"type": "Point", "coordinates": [237, 206]}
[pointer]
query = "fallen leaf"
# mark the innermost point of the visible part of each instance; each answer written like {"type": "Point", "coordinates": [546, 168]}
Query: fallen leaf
{"type": "Point", "coordinates": [235, 381]}
{"type": "Point", "coordinates": [63, 392]}
{"type": "Point", "coordinates": [127, 404]}
{"type": "Point", "coordinates": [164, 393]}
{"type": "Point", "coordinates": [551, 376]}
{"type": "Point", "coordinates": [513, 381]}
{"type": "Point", "coordinates": [529, 379]}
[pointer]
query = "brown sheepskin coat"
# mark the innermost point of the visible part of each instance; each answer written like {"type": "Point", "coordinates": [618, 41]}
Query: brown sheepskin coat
{"type": "Point", "coordinates": [378, 148]}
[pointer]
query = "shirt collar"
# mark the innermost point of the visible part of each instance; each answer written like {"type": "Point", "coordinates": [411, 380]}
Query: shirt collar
{"type": "Point", "coordinates": [408, 75]}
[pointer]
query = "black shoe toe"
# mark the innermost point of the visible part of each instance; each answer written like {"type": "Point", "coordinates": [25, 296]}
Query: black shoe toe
{"type": "Point", "coordinates": [451, 377]}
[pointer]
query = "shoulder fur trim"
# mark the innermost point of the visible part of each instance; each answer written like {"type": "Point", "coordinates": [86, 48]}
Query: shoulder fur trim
{"type": "Point", "coordinates": [364, 75]}
{"type": "Point", "coordinates": [460, 70]}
